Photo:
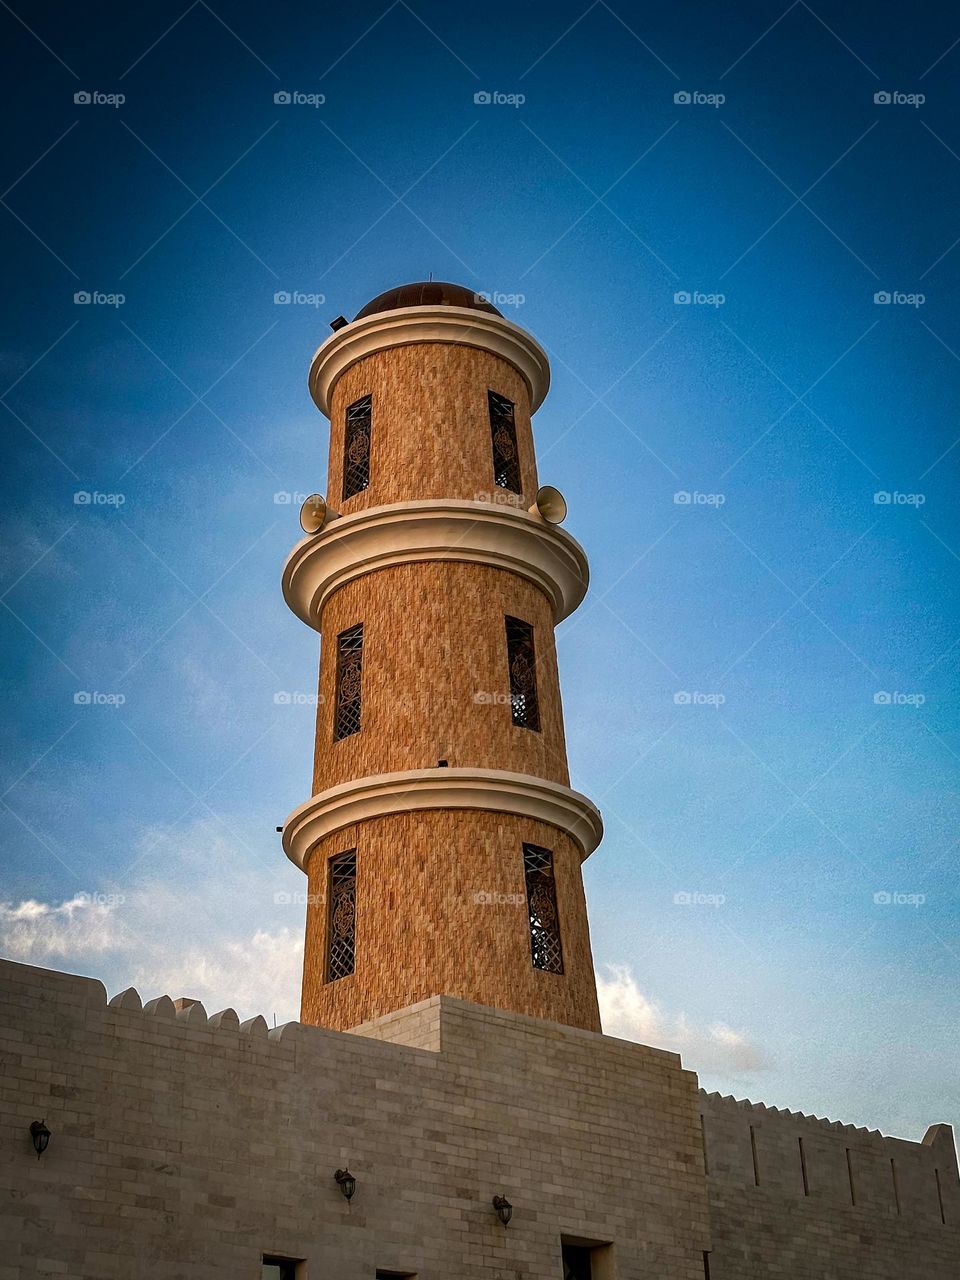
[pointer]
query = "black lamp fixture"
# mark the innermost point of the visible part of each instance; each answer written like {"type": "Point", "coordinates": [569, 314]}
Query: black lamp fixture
{"type": "Point", "coordinates": [40, 1135]}
{"type": "Point", "coordinates": [504, 1208]}
{"type": "Point", "coordinates": [346, 1182]}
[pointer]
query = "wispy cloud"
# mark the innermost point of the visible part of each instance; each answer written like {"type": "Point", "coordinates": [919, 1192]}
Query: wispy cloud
{"type": "Point", "coordinates": [40, 931]}
{"type": "Point", "coordinates": [172, 928]}
{"type": "Point", "coordinates": [628, 1013]}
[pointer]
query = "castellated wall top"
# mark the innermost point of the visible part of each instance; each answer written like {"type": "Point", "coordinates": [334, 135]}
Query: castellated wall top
{"type": "Point", "coordinates": [825, 1199]}
{"type": "Point", "coordinates": [188, 1144]}
{"type": "Point", "coordinates": [185, 1145]}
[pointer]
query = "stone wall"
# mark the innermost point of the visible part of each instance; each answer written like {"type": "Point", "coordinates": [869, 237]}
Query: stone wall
{"type": "Point", "coordinates": [799, 1197]}
{"type": "Point", "coordinates": [187, 1146]}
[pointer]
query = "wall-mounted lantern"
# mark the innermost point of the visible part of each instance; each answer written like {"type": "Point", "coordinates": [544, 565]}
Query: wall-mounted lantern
{"type": "Point", "coordinates": [40, 1135]}
{"type": "Point", "coordinates": [346, 1182]}
{"type": "Point", "coordinates": [504, 1208]}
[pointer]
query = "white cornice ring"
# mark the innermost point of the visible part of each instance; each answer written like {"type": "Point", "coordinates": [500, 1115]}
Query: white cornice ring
{"type": "Point", "coordinates": [494, 790]}
{"type": "Point", "coordinates": [405, 532]}
{"type": "Point", "coordinates": [405, 325]}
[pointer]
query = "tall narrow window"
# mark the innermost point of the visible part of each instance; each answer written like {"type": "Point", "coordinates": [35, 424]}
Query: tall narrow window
{"type": "Point", "coordinates": [542, 909]}
{"type": "Point", "coordinates": [349, 672]}
{"type": "Point", "coordinates": [506, 463]}
{"type": "Point", "coordinates": [342, 915]}
{"type": "Point", "coordinates": [356, 447]}
{"type": "Point", "coordinates": [522, 662]}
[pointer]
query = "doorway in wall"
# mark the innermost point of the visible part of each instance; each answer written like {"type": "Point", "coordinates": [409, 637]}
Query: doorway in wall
{"type": "Point", "coordinates": [586, 1259]}
{"type": "Point", "coordinates": [576, 1262]}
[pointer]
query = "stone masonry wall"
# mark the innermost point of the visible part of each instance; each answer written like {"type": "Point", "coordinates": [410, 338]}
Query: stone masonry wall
{"type": "Point", "coordinates": [185, 1146]}
{"type": "Point", "coordinates": [871, 1208]}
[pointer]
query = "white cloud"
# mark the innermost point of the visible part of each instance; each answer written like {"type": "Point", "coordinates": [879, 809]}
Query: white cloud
{"type": "Point", "coordinates": [200, 915]}
{"type": "Point", "coordinates": [627, 1013]}
{"type": "Point", "coordinates": [83, 926]}
{"type": "Point", "coordinates": [260, 974]}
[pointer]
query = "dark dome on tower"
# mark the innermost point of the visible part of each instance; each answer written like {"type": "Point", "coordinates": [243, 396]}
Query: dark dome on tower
{"type": "Point", "coordinates": [426, 293]}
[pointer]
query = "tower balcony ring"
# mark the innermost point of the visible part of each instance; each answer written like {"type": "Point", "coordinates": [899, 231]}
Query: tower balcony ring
{"type": "Point", "coordinates": [404, 326]}
{"type": "Point", "coordinates": [451, 530]}
{"type": "Point", "coordinates": [488, 790]}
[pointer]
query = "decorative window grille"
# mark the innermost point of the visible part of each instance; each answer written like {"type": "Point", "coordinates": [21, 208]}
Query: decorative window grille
{"type": "Point", "coordinates": [542, 909]}
{"type": "Point", "coordinates": [349, 672]}
{"type": "Point", "coordinates": [356, 447]}
{"type": "Point", "coordinates": [342, 917]}
{"type": "Point", "coordinates": [522, 662]}
{"type": "Point", "coordinates": [506, 463]}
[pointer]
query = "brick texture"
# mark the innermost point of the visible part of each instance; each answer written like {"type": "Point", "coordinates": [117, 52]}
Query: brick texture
{"type": "Point", "coordinates": [441, 910]}
{"type": "Point", "coordinates": [436, 687]}
{"type": "Point", "coordinates": [431, 431]}
{"type": "Point", "coordinates": [887, 1226]}
{"type": "Point", "coordinates": [182, 1148]}
{"type": "Point", "coordinates": [435, 678]}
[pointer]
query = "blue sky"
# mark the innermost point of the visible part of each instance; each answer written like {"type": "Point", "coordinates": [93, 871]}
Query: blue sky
{"type": "Point", "coordinates": [776, 894]}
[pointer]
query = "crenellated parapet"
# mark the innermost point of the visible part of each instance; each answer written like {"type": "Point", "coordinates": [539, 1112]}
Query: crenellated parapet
{"type": "Point", "coordinates": [184, 1143]}
{"type": "Point", "coordinates": [813, 1162]}
{"type": "Point", "coordinates": [191, 1013]}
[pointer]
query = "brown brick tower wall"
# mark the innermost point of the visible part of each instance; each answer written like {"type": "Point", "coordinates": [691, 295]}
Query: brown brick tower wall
{"type": "Point", "coordinates": [435, 674]}
{"type": "Point", "coordinates": [440, 906]}
{"type": "Point", "coordinates": [432, 428]}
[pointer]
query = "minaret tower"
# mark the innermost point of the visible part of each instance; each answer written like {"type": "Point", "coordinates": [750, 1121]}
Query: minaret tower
{"type": "Point", "coordinates": [442, 842]}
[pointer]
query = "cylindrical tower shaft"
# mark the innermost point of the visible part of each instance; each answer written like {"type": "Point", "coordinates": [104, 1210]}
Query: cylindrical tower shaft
{"type": "Point", "coordinates": [442, 843]}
